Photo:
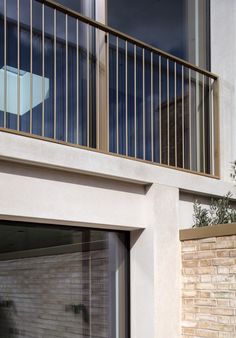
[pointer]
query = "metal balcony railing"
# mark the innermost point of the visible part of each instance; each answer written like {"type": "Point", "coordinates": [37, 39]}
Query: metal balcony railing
{"type": "Point", "coordinates": [74, 80]}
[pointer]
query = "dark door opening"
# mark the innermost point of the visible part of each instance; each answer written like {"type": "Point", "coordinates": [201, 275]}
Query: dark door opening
{"type": "Point", "coordinates": [63, 282]}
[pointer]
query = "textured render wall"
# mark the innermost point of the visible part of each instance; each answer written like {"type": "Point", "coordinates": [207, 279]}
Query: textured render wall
{"type": "Point", "coordinates": [223, 63]}
{"type": "Point", "coordinates": [36, 295]}
{"type": "Point", "coordinates": [155, 290]}
{"type": "Point", "coordinates": [209, 288]}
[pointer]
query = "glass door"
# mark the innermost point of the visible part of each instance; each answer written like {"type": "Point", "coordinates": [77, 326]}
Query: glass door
{"type": "Point", "coordinates": [63, 282]}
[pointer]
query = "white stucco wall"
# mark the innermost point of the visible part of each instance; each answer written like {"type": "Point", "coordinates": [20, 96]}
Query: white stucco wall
{"type": "Point", "coordinates": [34, 192]}
{"type": "Point", "coordinates": [223, 63]}
{"type": "Point", "coordinates": [155, 266]}
{"type": "Point", "coordinates": [70, 159]}
{"type": "Point", "coordinates": [48, 182]}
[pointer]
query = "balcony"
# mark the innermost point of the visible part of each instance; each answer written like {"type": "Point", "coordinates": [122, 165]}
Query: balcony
{"type": "Point", "coordinates": [70, 79]}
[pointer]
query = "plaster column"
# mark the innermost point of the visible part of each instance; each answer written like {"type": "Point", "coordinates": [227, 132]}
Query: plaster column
{"type": "Point", "coordinates": [155, 268]}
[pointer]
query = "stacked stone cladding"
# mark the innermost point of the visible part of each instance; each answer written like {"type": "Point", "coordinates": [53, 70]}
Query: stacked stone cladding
{"type": "Point", "coordinates": [209, 287]}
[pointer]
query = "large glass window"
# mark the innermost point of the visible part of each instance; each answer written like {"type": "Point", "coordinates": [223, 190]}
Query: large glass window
{"type": "Point", "coordinates": [180, 27]}
{"type": "Point", "coordinates": [65, 79]}
{"type": "Point", "coordinates": [94, 9]}
{"type": "Point", "coordinates": [63, 282]}
{"type": "Point", "coordinates": [85, 7]}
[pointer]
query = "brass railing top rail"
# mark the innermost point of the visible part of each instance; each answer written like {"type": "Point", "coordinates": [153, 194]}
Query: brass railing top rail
{"type": "Point", "coordinates": [96, 24]}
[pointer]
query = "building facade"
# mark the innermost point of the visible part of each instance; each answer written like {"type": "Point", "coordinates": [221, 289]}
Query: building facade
{"type": "Point", "coordinates": [112, 123]}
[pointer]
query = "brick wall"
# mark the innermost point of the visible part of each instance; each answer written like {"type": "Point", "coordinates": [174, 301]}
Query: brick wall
{"type": "Point", "coordinates": [209, 288]}
{"type": "Point", "coordinates": [37, 296]}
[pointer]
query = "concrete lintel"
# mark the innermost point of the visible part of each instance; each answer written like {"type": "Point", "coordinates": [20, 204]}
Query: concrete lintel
{"type": "Point", "coordinates": [39, 152]}
{"type": "Point", "coordinates": [51, 221]}
{"type": "Point", "coordinates": [219, 230]}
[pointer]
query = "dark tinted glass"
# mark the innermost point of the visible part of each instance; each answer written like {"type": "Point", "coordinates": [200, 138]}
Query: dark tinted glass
{"type": "Point", "coordinates": [63, 282]}
{"type": "Point", "coordinates": [179, 27]}
{"type": "Point", "coordinates": [85, 7]}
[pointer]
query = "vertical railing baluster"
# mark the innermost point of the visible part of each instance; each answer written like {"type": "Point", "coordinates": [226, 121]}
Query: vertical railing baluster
{"type": "Point", "coordinates": [88, 91]}
{"type": "Point", "coordinates": [126, 98]}
{"type": "Point", "coordinates": [190, 120]}
{"type": "Point", "coordinates": [183, 111]}
{"type": "Point", "coordinates": [31, 66]}
{"type": "Point", "coordinates": [203, 123]}
{"type": "Point", "coordinates": [108, 91]}
{"type": "Point", "coordinates": [135, 103]}
{"type": "Point", "coordinates": [197, 137]}
{"type": "Point", "coordinates": [144, 112]}
{"type": "Point", "coordinates": [5, 63]}
{"type": "Point", "coordinates": [18, 65]}
{"type": "Point", "coordinates": [66, 78]}
{"type": "Point", "coordinates": [117, 95]}
{"type": "Point", "coordinates": [55, 74]}
{"type": "Point", "coordinates": [98, 91]}
{"type": "Point", "coordinates": [212, 125]}
{"type": "Point", "coordinates": [152, 124]}
{"type": "Point", "coordinates": [43, 70]}
{"type": "Point", "coordinates": [175, 94]}
{"type": "Point", "coordinates": [160, 109]}
{"type": "Point", "coordinates": [168, 110]}
{"type": "Point", "coordinates": [77, 81]}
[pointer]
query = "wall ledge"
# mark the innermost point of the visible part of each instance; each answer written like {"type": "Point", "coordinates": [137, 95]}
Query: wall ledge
{"type": "Point", "coordinates": [218, 230]}
{"type": "Point", "coordinates": [17, 148]}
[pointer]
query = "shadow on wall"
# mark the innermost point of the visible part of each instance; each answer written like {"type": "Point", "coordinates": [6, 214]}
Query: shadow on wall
{"type": "Point", "coordinates": [7, 326]}
{"type": "Point", "coordinates": [72, 178]}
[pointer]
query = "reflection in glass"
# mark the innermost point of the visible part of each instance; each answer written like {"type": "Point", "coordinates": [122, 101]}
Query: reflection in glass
{"type": "Point", "coordinates": [83, 82]}
{"type": "Point", "coordinates": [49, 71]}
{"type": "Point", "coordinates": [148, 103]}
{"type": "Point", "coordinates": [164, 112]}
{"type": "Point", "coordinates": [12, 62]}
{"type": "Point", "coordinates": [130, 100]}
{"type": "Point", "coordinates": [63, 280]}
{"type": "Point", "coordinates": [178, 27]}
{"type": "Point", "coordinates": [156, 108]}
{"type": "Point", "coordinates": [180, 114]}
{"type": "Point", "coordinates": [139, 103]}
{"type": "Point", "coordinates": [72, 80]}
{"type": "Point", "coordinates": [37, 65]}
{"type": "Point", "coordinates": [121, 98]}
{"type": "Point", "coordinates": [65, 79]}
{"type": "Point", "coordinates": [25, 67]}
{"type": "Point", "coordinates": [112, 94]}
{"type": "Point", "coordinates": [85, 7]}
{"type": "Point", "coordinates": [61, 92]}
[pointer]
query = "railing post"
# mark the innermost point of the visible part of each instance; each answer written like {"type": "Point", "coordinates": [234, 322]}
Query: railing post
{"type": "Point", "coordinates": [102, 92]}
{"type": "Point", "coordinates": [216, 125]}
